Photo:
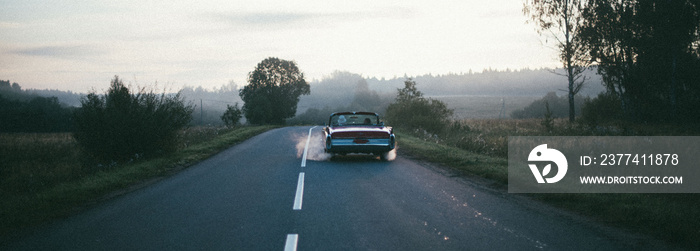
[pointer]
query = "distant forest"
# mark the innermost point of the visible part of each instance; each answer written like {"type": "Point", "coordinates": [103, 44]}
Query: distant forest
{"type": "Point", "coordinates": [524, 82]}
{"type": "Point", "coordinates": [50, 110]}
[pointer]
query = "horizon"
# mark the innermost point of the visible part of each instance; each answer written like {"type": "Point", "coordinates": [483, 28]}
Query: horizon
{"type": "Point", "coordinates": [325, 77]}
{"type": "Point", "coordinates": [81, 46]}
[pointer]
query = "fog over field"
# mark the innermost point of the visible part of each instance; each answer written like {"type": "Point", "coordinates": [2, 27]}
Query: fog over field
{"type": "Point", "coordinates": [471, 95]}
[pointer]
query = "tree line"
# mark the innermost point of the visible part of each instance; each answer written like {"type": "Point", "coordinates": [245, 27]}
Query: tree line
{"type": "Point", "coordinates": [24, 112]}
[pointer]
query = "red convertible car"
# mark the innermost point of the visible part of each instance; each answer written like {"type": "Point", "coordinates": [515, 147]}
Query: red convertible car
{"type": "Point", "coordinates": [358, 132]}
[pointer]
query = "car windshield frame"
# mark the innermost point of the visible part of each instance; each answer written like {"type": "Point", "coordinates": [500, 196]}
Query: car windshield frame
{"type": "Point", "coordinates": [354, 119]}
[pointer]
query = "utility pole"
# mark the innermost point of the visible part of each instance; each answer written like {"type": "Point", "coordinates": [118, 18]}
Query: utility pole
{"type": "Point", "coordinates": [201, 112]}
{"type": "Point", "coordinates": [502, 114]}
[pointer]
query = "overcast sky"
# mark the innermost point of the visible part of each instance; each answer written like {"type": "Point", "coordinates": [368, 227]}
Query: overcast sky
{"type": "Point", "coordinates": [81, 45]}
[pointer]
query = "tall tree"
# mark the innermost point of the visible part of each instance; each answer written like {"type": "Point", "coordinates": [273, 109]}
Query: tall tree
{"type": "Point", "coordinates": [273, 91]}
{"type": "Point", "coordinates": [560, 20]}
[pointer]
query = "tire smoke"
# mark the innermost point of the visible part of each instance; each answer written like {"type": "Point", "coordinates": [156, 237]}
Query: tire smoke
{"type": "Point", "coordinates": [391, 156]}
{"type": "Point", "coordinates": [315, 151]}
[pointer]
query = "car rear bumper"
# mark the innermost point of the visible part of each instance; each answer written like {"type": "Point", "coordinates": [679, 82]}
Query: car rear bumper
{"type": "Point", "coordinates": [360, 145]}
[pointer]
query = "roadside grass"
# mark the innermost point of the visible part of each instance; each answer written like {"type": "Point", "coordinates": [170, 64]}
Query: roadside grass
{"type": "Point", "coordinates": [462, 161]}
{"type": "Point", "coordinates": [45, 176]}
{"type": "Point", "coordinates": [480, 148]}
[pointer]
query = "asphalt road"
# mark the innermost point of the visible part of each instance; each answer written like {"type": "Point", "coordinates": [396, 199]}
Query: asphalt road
{"type": "Point", "coordinates": [262, 195]}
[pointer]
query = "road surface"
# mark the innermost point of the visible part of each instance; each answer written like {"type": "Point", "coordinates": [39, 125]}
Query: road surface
{"type": "Point", "coordinates": [269, 194]}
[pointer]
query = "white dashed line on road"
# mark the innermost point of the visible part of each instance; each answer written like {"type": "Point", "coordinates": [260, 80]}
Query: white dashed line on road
{"type": "Point", "coordinates": [306, 148]}
{"type": "Point", "coordinates": [292, 239]}
{"type": "Point", "coordinates": [291, 243]}
{"type": "Point", "coordinates": [300, 192]}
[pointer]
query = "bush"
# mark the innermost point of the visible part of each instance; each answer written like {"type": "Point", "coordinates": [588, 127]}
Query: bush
{"type": "Point", "coordinates": [121, 125]}
{"type": "Point", "coordinates": [412, 111]}
{"type": "Point", "coordinates": [232, 115]}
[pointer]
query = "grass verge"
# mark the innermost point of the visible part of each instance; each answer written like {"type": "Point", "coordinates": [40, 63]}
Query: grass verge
{"type": "Point", "coordinates": [20, 210]}
{"type": "Point", "coordinates": [460, 160]}
{"type": "Point", "coordinates": [670, 217]}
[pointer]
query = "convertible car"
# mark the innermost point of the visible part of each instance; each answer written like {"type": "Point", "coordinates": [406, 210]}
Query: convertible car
{"type": "Point", "coordinates": [358, 132]}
